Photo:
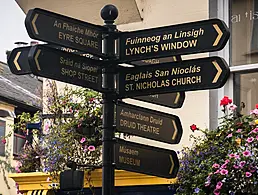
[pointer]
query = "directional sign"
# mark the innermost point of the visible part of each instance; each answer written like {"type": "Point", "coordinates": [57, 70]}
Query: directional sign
{"type": "Point", "coordinates": [188, 38]}
{"type": "Point", "coordinates": [172, 100]}
{"type": "Point", "coordinates": [18, 61]}
{"type": "Point", "coordinates": [156, 61]}
{"type": "Point", "coordinates": [146, 159]}
{"type": "Point", "coordinates": [66, 67]}
{"type": "Point", "coordinates": [147, 123]}
{"type": "Point", "coordinates": [189, 75]}
{"type": "Point", "coordinates": [62, 30]}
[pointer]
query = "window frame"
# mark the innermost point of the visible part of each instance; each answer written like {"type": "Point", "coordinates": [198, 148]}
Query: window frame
{"type": "Point", "coordinates": [1, 144]}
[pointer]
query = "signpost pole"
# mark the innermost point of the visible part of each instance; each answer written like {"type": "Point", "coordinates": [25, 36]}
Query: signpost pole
{"type": "Point", "coordinates": [108, 13]}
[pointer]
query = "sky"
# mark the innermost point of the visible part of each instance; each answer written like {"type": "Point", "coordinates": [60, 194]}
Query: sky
{"type": "Point", "coordinates": [12, 27]}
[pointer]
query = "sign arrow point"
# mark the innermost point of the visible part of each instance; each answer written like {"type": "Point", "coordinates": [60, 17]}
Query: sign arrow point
{"type": "Point", "coordinates": [15, 61]}
{"type": "Point", "coordinates": [177, 98]}
{"type": "Point", "coordinates": [218, 73]}
{"type": "Point", "coordinates": [36, 59]}
{"type": "Point", "coordinates": [34, 25]}
{"type": "Point", "coordinates": [220, 33]}
{"type": "Point", "coordinates": [172, 164]}
{"type": "Point", "coordinates": [175, 130]}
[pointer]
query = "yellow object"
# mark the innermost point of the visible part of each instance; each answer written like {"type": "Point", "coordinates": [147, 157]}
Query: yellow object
{"type": "Point", "coordinates": [38, 180]}
{"type": "Point", "coordinates": [256, 121]}
{"type": "Point", "coordinates": [238, 141]}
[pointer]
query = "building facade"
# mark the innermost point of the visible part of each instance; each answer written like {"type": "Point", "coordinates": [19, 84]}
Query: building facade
{"type": "Point", "coordinates": [17, 94]}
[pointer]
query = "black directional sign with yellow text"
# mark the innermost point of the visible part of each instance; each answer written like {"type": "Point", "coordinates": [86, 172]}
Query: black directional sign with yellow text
{"type": "Point", "coordinates": [66, 67]}
{"type": "Point", "coordinates": [65, 31]}
{"type": "Point", "coordinates": [18, 61]}
{"type": "Point", "coordinates": [196, 37]}
{"type": "Point", "coordinates": [148, 123]}
{"type": "Point", "coordinates": [171, 100]}
{"type": "Point", "coordinates": [189, 75]}
{"type": "Point", "coordinates": [146, 159]}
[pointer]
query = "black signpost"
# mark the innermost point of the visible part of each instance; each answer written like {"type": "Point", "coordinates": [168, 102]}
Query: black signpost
{"type": "Point", "coordinates": [62, 30]}
{"type": "Point", "coordinates": [196, 37]}
{"type": "Point", "coordinates": [148, 123]}
{"type": "Point", "coordinates": [189, 75]}
{"type": "Point", "coordinates": [18, 61]}
{"type": "Point", "coordinates": [159, 77]}
{"type": "Point", "coordinates": [146, 159]}
{"type": "Point", "coordinates": [66, 67]}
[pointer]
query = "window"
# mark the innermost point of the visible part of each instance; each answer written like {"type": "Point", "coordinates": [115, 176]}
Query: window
{"type": "Point", "coordinates": [18, 143]}
{"type": "Point", "coordinates": [244, 52]}
{"type": "Point", "coordinates": [244, 32]}
{"type": "Point", "coordinates": [2, 133]}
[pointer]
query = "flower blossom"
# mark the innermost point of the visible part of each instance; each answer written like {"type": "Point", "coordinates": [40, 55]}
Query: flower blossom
{"type": "Point", "coordinates": [255, 111]}
{"type": "Point", "coordinates": [223, 171]}
{"type": "Point", "coordinates": [242, 163]}
{"type": "Point", "coordinates": [229, 135]}
{"type": "Point", "coordinates": [232, 107]}
{"type": "Point", "coordinates": [219, 185]}
{"type": "Point", "coordinates": [216, 192]}
{"type": "Point", "coordinates": [83, 140]}
{"type": "Point", "coordinates": [248, 174]}
{"type": "Point", "coordinates": [225, 101]}
{"type": "Point", "coordinates": [232, 155]}
{"type": "Point", "coordinates": [215, 165]}
{"type": "Point", "coordinates": [193, 127]}
{"type": "Point", "coordinates": [196, 190]}
{"type": "Point", "coordinates": [91, 148]}
{"type": "Point", "coordinates": [3, 141]}
{"type": "Point", "coordinates": [250, 139]}
{"type": "Point", "coordinates": [246, 153]}
{"type": "Point", "coordinates": [239, 130]}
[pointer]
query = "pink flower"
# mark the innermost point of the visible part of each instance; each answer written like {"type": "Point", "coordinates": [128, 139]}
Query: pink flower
{"type": "Point", "coordinates": [246, 153]}
{"type": "Point", "coordinates": [91, 148]}
{"type": "Point", "coordinates": [248, 174]}
{"type": "Point", "coordinates": [83, 140]}
{"type": "Point", "coordinates": [237, 156]}
{"type": "Point", "coordinates": [232, 107]}
{"type": "Point", "coordinates": [257, 137]}
{"type": "Point", "coordinates": [215, 165]}
{"type": "Point", "coordinates": [224, 166]}
{"type": "Point", "coordinates": [216, 172]}
{"type": "Point", "coordinates": [232, 155]}
{"type": "Point", "coordinates": [85, 148]}
{"type": "Point", "coordinates": [224, 172]}
{"type": "Point", "coordinates": [242, 163]}
{"type": "Point", "coordinates": [252, 169]}
{"type": "Point", "coordinates": [216, 192]}
{"type": "Point", "coordinates": [239, 130]}
{"type": "Point", "coordinates": [229, 135]}
{"type": "Point", "coordinates": [227, 161]}
{"type": "Point", "coordinates": [3, 141]}
{"type": "Point", "coordinates": [255, 130]}
{"type": "Point", "coordinates": [255, 111]}
{"type": "Point", "coordinates": [219, 185]}
{"type": "Point", "coordinates": [250, 139]}
{"type": "Point", "coordinates": [236, 166]}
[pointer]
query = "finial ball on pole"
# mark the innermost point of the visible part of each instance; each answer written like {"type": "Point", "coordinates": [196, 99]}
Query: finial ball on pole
{"type": "Point", "coordinates": [109, 12]}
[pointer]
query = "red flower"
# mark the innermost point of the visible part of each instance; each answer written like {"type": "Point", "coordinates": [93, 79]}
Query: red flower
{"type": "Point", "coordinates": [3, 141]}
{"type": "Point", "coordinates": [193, 127]}
{"type": "Point", "coordinates": [256, 106]}
{"type": "Point", "coordinates": [225, 101]}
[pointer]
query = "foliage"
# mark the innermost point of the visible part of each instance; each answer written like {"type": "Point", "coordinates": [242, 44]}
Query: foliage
{"type": "Point", "coordinates": [224, 160]}
{"type": "Point", "coordinates": [71, 134]}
